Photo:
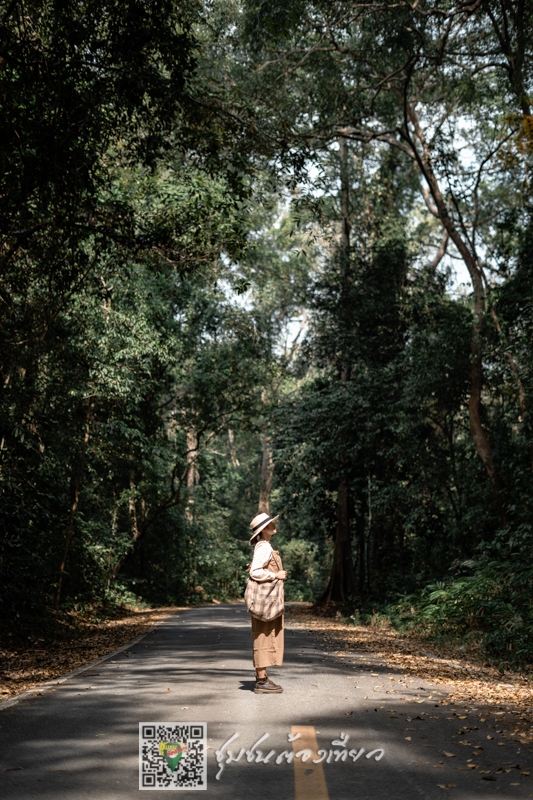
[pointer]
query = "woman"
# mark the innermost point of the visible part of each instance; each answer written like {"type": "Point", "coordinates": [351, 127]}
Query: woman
{"type": "Point", "coordinates": [267, 635]}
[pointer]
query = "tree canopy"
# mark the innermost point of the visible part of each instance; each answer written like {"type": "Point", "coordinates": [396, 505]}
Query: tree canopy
{"type": "Point", "coordinates": [260, 255]}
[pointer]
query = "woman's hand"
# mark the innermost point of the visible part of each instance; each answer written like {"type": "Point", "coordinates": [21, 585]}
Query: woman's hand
{"type": "Point", "coordinates": [281, 575]}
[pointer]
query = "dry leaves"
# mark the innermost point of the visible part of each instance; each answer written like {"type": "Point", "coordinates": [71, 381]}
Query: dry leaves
{"type": "Point", "coordinates": [465, 677]}
{"type": "Point", "coordinates": [71, 643]}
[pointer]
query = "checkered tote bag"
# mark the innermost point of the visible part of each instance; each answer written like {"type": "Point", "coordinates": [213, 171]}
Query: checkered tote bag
{"type": "Point", "coordinates": [265, 601]}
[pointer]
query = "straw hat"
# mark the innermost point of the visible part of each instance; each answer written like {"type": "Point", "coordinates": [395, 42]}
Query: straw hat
{"type": "Point", "coordinates": [259, 522]}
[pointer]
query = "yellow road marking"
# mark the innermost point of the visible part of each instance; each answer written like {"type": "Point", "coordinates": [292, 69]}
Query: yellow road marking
{"type": "Point", "coordinates": [309, 778]}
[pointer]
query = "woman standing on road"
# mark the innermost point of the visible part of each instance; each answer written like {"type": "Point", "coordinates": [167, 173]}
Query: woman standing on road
{"type": "Point", "coordinates": [267, 634]}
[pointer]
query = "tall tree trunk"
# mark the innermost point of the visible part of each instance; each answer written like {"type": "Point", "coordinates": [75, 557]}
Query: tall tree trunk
{"type": "Point", "coordinates": [440, 210]}
{"type": "Point", "coordinates": [342, 584]}
{"type": "Point", "coordinates": [75, 499]}
{"type": "Point", "coordinates": [232, 450]}
{"type": "Point", "coordinates": [133, 510]}
{"type": "Point", "coordinates": [136, 529]}
{"type": "Point", "coordinates": [368, 539]}
{"type": "Point", "coordinates": [514, 51]}
{"type": "Point", "coordinates": [522, 402]}
{"type": "Point", "coordinates": [266, 476]}
{"type": "Point", "coordinates": [360, 533]}
{"type": "Point", "coordinates": [267, 468]}
{"type": "Point", "coordinates": [111, 570]}
{"type": "Point", "coordinates": [192, 472]}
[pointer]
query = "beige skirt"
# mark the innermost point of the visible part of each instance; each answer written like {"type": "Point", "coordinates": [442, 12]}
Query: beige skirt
{"type": "Point", "coordinates": [268, 642]}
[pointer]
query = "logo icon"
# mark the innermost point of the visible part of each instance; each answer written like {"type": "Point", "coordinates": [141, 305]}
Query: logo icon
{"type": "Point", "coordinates": [172, 753]}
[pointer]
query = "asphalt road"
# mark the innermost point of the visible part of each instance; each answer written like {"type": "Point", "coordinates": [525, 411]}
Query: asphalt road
{"type": "Point", "coordinates": [80, 738]}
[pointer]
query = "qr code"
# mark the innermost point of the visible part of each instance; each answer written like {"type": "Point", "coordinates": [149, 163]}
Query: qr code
{"type": "Point", "coordinates": [172, 755]}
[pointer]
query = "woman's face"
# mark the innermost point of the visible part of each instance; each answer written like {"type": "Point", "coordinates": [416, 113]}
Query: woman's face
{"type": "Point", "coordinates": [269, 531]}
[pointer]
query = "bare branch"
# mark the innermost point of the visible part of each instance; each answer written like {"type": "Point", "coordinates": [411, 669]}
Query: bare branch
{"type": "Point", "coordinates": [427, 199]}
{"type": "Point", "coordinates": [441, 252]}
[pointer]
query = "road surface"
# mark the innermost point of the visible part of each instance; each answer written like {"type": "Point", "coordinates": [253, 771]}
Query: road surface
{"type": "Point", "coordinates": [79, 739]}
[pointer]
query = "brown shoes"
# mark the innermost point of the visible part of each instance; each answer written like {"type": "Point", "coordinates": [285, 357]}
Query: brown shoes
{"type": "Point", "coordinates": [266, 686]}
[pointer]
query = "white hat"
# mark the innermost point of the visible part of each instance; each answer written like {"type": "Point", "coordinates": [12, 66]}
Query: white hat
{"type": "Point", "coordinates": [259, 522]}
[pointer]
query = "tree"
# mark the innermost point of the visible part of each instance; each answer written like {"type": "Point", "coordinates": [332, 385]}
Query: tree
{"type": "Point", "coordinates": [428, 86]}
{"type": "Point", "coordinates": [341, 585]}
{"type": "Point", "coordinates": [96, 237]}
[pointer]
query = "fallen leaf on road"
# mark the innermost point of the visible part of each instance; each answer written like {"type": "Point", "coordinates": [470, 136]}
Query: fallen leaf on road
{"type": "Point", "coordinates": [408, 738]}
{"type": "Point", "coordinates": [468, 678]}
{"type": "Point", "coordinates": [461, 716]}
{"type": "Point", "coordinates": [527, 773]}
{"type": "Point", "coordinates": [348, 713]}
{"type": "Point", "coordinates": [167, 690]}
{"type": "Point", "coordinates": [448, 755]}
{"type": "Point", "coordinates": [472, 766]}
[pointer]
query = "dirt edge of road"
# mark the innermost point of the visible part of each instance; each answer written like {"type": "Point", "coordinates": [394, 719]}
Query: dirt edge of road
{"type": "Point", "coordinates": [27, 665]}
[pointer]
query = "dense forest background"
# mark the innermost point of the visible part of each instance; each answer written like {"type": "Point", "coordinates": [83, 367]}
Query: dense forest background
{"type": "Point", "coordinates": [269, 256]}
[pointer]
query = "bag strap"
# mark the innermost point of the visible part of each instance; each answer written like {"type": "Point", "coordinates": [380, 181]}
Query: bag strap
{"type": "Point", "coordinates": [275, 555]}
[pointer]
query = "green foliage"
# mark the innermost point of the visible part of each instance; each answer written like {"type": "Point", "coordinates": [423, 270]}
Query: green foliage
{"type": "Point", "coordinates": [492, 606]}
{"type": "Point", "coordinates": [304, 574]}
{"type": "Point", "coordinates": [177, 306]}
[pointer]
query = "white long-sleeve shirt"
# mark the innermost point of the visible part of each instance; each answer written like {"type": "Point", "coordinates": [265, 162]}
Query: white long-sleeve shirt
{"type": "Point", "coordinates": [262, 555]}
